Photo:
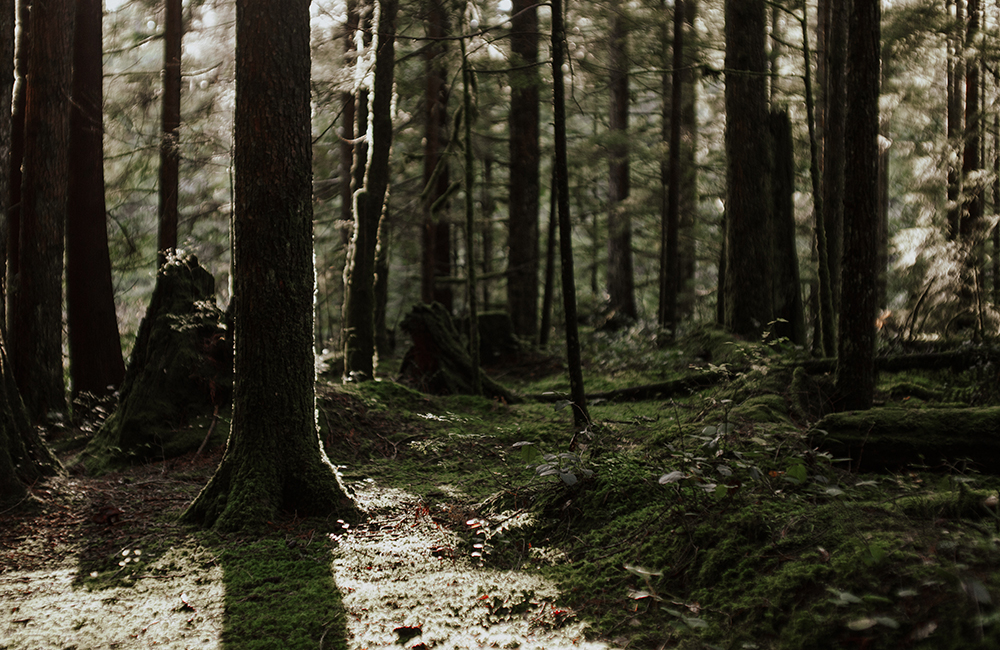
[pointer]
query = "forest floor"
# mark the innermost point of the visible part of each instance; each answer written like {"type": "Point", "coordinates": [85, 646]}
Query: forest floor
{"type": "Point", "coordinates": [705, 519]}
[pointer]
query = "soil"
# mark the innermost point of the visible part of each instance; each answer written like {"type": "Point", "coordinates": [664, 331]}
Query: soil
{"type": "Point", "coordinates": [102, 563]}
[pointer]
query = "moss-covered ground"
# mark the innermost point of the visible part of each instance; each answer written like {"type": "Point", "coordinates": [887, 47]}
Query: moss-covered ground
{"type": "Point", "coordinates": [699, 520]}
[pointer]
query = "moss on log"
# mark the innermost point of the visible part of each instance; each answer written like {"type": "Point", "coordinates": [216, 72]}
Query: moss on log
{"type": "Point", "coordinates": [180, 370]}
{"type": "Point", "coordinates": [439, 361]}
{"type": "Point", "coordinates": [891, 438]}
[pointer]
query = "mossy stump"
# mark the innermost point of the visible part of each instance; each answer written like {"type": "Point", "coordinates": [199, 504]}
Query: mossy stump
{"type": "Point", "coordinates": [180, 369]}
{"type": "Point", "coordinates": [439, 361]}
{"type": "Point", "coordinates": [890, 438]}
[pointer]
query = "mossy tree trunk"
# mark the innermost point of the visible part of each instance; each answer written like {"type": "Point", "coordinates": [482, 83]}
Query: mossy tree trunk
{"type": "Point", "coordinates": [23, 455]}
{"type": "Point", "coordinates": [274, 460]}
{"type": "Point", "coordinates": [369, 204]}
{"type": "Point", "coordinates": [788, 307]}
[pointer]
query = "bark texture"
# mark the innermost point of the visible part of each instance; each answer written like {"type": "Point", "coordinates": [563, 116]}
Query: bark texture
{"type": "Point", "coordinates": [170, 155]}
{"type": "Point", "coordinates": [859, 286]}
{"type": "Point", "coordinates": [522, 241]}
{"type": "Point", "coordinates": [36, 331]}
{"type": "Point", "coordinates": [95, 352]}
{"type": "Point", "coordinates": [6, 97]}
{"type": "Point", "coordinates": [274, 460]}
{"type": "Point", "coordinates": [748, 279]}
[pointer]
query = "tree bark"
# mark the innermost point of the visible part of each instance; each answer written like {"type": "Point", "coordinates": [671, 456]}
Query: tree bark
{"type": "Point", "coordinates": [834, 104]}
{"type": "Point", "coordinates": [12, 241]}
{"type": "Point", "coordinates": [788, 310]}
{"type": "Point", "coordinates": [689, 194]}
{"type": "Point", "coordinates": [578, 395]}
{"type": "Point", "coordinates": [954, 129]}
{"type": "Point", "coordinates": [369, 204]}
{"type": "Point", "coordinates": [95, 352]}
{"type": "Point", "coordinates": [670, 180]}
{"type": "Point", "coordinates": [855, 381]}
{"type": "Point", "coordinates": [170, 154]}
{"type": "Point", "coordinates": [6, 98]}
{"type": "Point", "coordinates": [436, 236]}
{"type": "Point", "coordinates": [274, 460]}
{"type": "Point", "coordinates": [522, 240]}
{"type": "Point", "coordinates": [749, 304]}
{"type": "Point", "coordinates": [36, 334]}
{"type": "Point", "coordinates": [621, 280]}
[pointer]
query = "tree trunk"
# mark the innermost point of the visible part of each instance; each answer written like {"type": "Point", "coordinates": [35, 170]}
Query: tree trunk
{"type": "Point", "coordinates": [274, 460]}
{"type": "Point", "coordinates": [578, 394]}
{"type": "Point", "coordinates": [550, 264]}
{"type": "Point", "coordinates": [6, 98]}
{"type": "Point", "coordinates": [23, 456]}
{"type": "Point", "coordinates": [749, 304]}
{"type": "Point", "coordinates": [689, 195]}
{"type": "Point", "coordinates": [95, 352]}
{"type": "Point", "coordinates": [971, 216]}
{"type": "Point", "coordinates": [834, 104]}
{"type": "Point", "coordinates": [788, 310]}
{"type": "Point", "coordinates": [855, 381]}
{"type": "Point", "coordinates": [170, 154]}
{"type": "Point", "coordinates": [12, 239]}
{"type": "Point", "coordinates": [36, 335]}
{"type": "Point", "coordinates": [522, 241]}
{"type": "Point", "coordinates": [470, 221]}
{"type": "Point", "coordinates": [621, 281]}
{"type": "Point", "coordinates": [359, 304]}
{"type": "Point", "coordinates": [348, 133]}
{"type": "Point", "coordinates": [670, 180]}
{"type": "Point", "coordinates": [436, 236]}
{"type": "Point", "coordinates": [956, 74]}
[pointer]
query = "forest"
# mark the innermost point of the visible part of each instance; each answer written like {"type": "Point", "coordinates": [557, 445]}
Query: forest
{"type": "Point", "coordinates": [619, 324]}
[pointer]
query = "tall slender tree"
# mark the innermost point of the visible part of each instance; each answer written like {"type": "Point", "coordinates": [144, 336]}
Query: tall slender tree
{"type": "Point", "coordinates": [170, 153]}
{"type": "Point", "coordinates": [36, 331]}
{"type": "Point", "coordinates": [621, 278]}
{"type": "Point", "coordinates": [748, 293]}
{"type": "Point", "coordinates": [6, 99]}
{"type": "Point", "coordinates": [578, 395]}
{"type": "Point", "coordinates": [955, 134]}
{"type": "Point", "coordinates": [95, 353]}
{"type": "Point", "coordinates": [859, 297]}
{"type": "Point", "coordinates": [670, 179]}
{"type": "Point", "coordinates": [22, 50]}
{"type": "Point", "coordinates": [369, 203]}
{"type": "Point", "coordinates": [274, 460]}
{"type": "Point", "coordinates": [834, 105]}
{"type": "Point", "coordinates": [522, 222]}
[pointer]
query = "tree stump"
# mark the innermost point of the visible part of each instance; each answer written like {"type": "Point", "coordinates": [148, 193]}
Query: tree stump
{"type": "Point", "coordinates": [180, 369]}
{"type": "Point", "coordinates": [439, 361]}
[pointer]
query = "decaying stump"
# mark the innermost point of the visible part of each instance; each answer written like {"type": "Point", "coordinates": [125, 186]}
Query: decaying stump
{"type": "Point", "coordinates": [890, 438]}
{"type": "Point", "coordinates": [180, 370]}
{"type": "Point", "coordinates": [439, 362]}
{"type": "Point", "coordinates": [498, 345]}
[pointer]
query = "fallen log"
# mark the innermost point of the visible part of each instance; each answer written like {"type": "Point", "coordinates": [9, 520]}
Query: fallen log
{"type": "Point", "coordinates": [891, 438]}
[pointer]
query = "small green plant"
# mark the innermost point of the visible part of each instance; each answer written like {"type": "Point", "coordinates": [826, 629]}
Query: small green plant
{"type": "Point", "coordinates": [570, 466]}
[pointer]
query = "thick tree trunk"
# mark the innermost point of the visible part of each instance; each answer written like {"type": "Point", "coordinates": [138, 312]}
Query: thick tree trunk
{"type": "Point", "coordinates": [436, 236]}
{"type": "Point", "coordinates": [360, 303]}
{"type": "Point", "coordinates": [23, 455]}
{"type": "Point", "coordinates": [835, 103]}
{"type": "Point", "coordinates": [36, 334]}
{"type": "Point", "coordinates": [670, 179]}
{"type": "Point", "coordinates": [95, 352]}
{"type": "Point", "coordinates": [522, 240]}
{"type": "Point", "coordinates": [859, 294]}
{"type": "Point", "coordinates": [170, 154]}
{"type": "Point", "coordinates": [274, 460]}
{"type": "Point", "coordinates": [621, 280]}
{"type": "Point", "coordinates": [971, 219]}
{"type": "Point", "coordinates": [749, 304]}
{"type": "Point", "coordinates": [689, 194]}
{"type": "Point", "coordinates": [955, 134]}
{"type": "Point", "coordinates": [12, 236]}
{"type": "Point", "coordinates": [6, 98]}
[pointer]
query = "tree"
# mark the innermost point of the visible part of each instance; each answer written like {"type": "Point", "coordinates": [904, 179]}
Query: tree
{"type": "Point", "coordinates": [436, 235]}
{"type": "Point", "coordinates": [36, 329]}
{"type": "Point", "coordinates": [621, 280]}
{"type": "Point", "coordinates": [274, 459]}
{"type": "Point", "coordinates": [6, 98]}
{"type": "Point", "coordinates": [522, 222]}
{"type": "Point", "coordinates": [748, 293]}
{"type": "Point", "coordinates": [859, 295]}
{"type": "Point", "coordinates": [578, 395]}
{"type": "Point", "coordinates": [170, 154]}
{"type": "Point", "coordinates": [369, 203]}
{"type": "Point", "coordinates": [670, 180]}
{"type": "Point", "coordinates": [12, 218]}
{"type": "Point", "coordinates": [23, 456]}
{"type": "Point", "coordinates": [834, 104]}
{"type": "Point", "coordinates": [95, 352]}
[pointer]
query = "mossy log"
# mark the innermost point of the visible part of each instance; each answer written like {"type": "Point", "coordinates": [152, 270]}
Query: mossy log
{"type": "Point", "coordinates": [891, 438]}
{"type": "Point", "coordinates": [180, 369]}
{"type": "Point", "coordinates": [439, 362]}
